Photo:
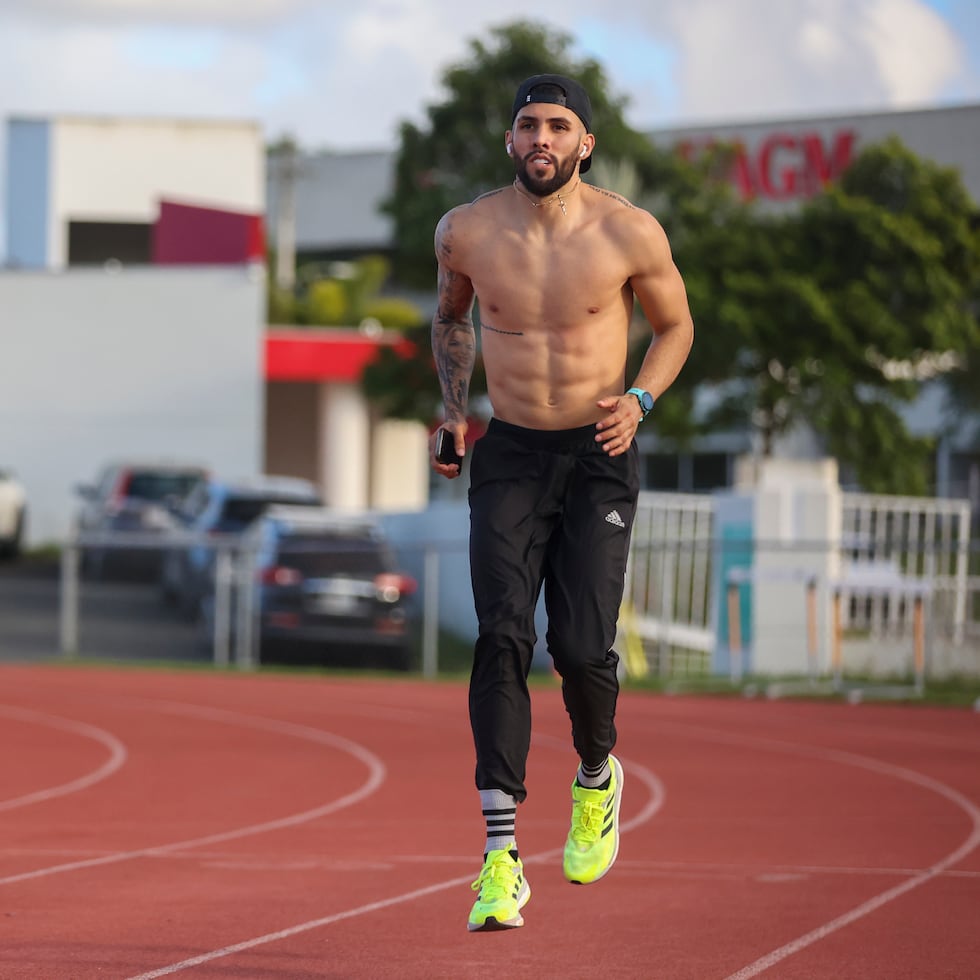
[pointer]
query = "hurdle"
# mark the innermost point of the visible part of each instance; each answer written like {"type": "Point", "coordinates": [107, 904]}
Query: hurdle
{"type": "Point", "coordinates": [811, 581]}
{"type": "Point", "coordinates": [875, 579]}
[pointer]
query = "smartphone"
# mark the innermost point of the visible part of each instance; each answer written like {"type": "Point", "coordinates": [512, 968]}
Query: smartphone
{"type": "Point", "coordinates": [446, 448]}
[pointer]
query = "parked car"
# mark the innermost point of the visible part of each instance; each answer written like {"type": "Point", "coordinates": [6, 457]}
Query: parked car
{"type": "Point", "coordinates": [126, 510]}
{"type": "Point", "coordinates": [13, 514]}
{"type": "Point", "coordinates": [328, 591]}
{"type": "Point", "coordinates": [214, 515]}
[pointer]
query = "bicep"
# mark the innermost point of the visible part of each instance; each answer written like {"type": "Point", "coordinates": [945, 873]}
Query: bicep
{"type": "Point", "coordinates": [454, 289]}
{"type": "Point", "coordinates": [454, 296]}
{"type": "Point", "coordinates": [658, 284]}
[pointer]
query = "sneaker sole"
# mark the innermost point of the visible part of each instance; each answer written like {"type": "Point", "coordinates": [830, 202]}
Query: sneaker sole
{"type": "Point", "coordinates": [490, 924]}
{"type": "Point", "coordinates": [617, 800]}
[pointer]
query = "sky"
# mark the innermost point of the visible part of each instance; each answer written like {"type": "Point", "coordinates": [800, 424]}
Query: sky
{"type": "Point", "coordinates": [344, 74]}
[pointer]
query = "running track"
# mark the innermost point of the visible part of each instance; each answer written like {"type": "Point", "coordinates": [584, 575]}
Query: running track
{"type": "Point", "coordinates": [272, 827]}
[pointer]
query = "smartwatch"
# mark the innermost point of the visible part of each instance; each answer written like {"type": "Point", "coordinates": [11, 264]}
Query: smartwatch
{"type": "Point", "coordinates": [645, 399]}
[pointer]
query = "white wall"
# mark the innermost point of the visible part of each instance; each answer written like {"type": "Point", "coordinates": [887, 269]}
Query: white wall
{"type": "Point", "coordinates": [118, 169]}
{"type": "Point", "coordinates": [148, 363]}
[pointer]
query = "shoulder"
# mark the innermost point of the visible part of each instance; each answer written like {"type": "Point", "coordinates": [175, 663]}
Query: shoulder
{"type": "Point", "coordinates": [481, 207]}
{"type": "Point", "coordinates": [465, 220]}
{"type": "Point", "coordinates": [626, 223]}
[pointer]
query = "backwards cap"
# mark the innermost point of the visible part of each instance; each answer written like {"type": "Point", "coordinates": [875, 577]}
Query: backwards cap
{"type": "Point", "coordinates": [558, 90]}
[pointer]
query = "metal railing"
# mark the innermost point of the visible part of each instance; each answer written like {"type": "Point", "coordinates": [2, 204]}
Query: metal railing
{"type": "Point", "coordinates": [678, 608]}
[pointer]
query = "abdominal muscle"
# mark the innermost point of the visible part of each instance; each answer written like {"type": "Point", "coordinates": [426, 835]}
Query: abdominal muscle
{"type": "Point", "coordinates": [551, 377]}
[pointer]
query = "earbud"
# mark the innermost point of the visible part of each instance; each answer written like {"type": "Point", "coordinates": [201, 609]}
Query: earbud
{"type": "Point", "coordinates": [510, 147]}
{"type": "Point", "coordinates": [582, 152]}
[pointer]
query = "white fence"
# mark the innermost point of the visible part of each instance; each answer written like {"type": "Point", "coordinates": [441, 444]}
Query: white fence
{"type": "Point", "coordinates": [922, 540]}
{"type": "Point", "coordinates": [668, 597]}
{"type": "Point", "coordinates": [671, 607]}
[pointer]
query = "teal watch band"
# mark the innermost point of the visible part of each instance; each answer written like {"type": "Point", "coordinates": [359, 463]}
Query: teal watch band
{"type": "Point", "coordinates": [644, 398]}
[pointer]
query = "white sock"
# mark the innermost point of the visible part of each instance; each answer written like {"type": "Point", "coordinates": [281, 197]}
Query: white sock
{"type": "Point", "coordinates": [500, 815]}
{"type": "Point", "coordinates": [590, 778]}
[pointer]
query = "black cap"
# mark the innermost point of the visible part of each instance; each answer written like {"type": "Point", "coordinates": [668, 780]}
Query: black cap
{"type": "Point", "coordinates": [558, 90]}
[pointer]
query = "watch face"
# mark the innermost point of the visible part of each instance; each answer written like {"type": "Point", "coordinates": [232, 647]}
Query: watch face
{"type": "Point", "coordinates": [646, 401]}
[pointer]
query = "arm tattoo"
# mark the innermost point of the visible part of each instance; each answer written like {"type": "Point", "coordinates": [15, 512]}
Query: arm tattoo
{"type": "Point", "coordinates": [453, 335]}
{"type": "Point", "coordinates": [454, 351]}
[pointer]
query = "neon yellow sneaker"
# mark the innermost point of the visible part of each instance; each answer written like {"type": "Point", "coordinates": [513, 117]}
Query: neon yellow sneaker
{"type": "Point", "coordinates": [504, 891]}
{"type": "Point", "coordinates": [593, 841]}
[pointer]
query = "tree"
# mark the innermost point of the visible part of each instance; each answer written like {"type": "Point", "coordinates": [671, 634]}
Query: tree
{"type": "Point", "coordinates": [833, 316]}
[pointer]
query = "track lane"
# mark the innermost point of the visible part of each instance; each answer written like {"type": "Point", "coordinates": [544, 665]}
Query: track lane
{"type": "Point", "coordinates": [752, 848]}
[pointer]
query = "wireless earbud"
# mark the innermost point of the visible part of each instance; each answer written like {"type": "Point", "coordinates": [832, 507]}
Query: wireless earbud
{"type": "Point", "coordinates": [582, 152]}
{"type": "Point", "coordinates": [510, 147]}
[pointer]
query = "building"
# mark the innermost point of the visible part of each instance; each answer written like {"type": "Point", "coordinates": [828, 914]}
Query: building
{"type": "Point", "coordinates": [82, 190]}
{"type": "Point", "coordinates": [134, 298]}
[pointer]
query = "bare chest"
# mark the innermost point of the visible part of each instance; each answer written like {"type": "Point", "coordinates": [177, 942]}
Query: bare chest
{"type": "Point", "coordinates": [551, 284]}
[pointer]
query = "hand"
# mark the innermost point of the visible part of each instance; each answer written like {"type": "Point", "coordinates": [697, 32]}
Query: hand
{"type": "Point", "coordinates": [616, 431]}
{"type": "Point", "coordinates": [456, 432]}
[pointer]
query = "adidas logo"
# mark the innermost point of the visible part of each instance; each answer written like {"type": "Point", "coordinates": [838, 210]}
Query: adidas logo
{"type": "Point", "coordinates": [613, 518]}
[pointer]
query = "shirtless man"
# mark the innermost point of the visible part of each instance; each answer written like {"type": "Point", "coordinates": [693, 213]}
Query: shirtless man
{"type": "Point", "coordinates": [555, 264]}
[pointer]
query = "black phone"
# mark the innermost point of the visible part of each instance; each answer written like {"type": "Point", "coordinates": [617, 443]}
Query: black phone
{"type": "Point", "coordinates": [446, 448]}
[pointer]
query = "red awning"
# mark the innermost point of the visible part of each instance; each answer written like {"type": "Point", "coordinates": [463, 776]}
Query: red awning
{"type": "Point", "coordinates": [321, 354]}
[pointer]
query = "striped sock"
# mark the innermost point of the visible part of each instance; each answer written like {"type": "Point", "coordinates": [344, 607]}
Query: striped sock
{"type": "Point", "coordinates": [594, 777]}
{"type": "Point", "coordinates": [500, 814]}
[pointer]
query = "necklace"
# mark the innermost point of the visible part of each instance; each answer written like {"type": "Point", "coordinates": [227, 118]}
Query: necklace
{"type": "Point", "coordinates": [551, 200]}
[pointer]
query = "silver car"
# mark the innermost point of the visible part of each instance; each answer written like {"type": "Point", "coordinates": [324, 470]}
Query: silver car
{"type": "Point", "coordinates": [126, 511]}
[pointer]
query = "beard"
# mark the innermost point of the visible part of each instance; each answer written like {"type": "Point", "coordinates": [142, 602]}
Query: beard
{"type": "Point", "coordinates": [542, 188]}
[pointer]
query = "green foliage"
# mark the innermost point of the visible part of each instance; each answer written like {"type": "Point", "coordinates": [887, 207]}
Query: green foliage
{"type": "Point", "coordinates": [393, 312]}
{"type": "Point", "coordinates": [328, 304]}
{"type": "Point", "coordinates": [826, 316]}
{"type": "Point", "coordinates": [281, 305]}
{"type": "Point", "coordinates": [342, 294]}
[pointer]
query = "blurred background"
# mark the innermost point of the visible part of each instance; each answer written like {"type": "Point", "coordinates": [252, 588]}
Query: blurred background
{"type": "Point", "coordinates": [217, 280]}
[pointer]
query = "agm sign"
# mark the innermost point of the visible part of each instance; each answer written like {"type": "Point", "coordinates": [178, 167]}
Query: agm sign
{"type": "Point", "coordinates": [783, 166]}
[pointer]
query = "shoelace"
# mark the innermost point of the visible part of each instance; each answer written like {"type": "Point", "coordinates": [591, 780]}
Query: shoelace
{"type": "Point", "coordinates": [588, 822]}
{"type": "Point", "coordinates": [496, 878]}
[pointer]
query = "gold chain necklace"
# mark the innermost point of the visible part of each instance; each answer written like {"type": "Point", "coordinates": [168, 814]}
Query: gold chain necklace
{"type": "Point", "coordinates": [551, 200]}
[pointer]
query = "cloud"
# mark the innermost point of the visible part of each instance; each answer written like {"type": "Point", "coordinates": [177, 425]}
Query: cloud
{"type": "Point", "coordinates": [761, 57]}
{"type": "Point", "coordinates": [122, 13]}
{"type": "Point", "coordinates": [915, 51]}
{"type": "Point", "coordinates": [347, 75]}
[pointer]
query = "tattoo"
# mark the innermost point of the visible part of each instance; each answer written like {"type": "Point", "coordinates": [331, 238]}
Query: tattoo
{"type": "Point", "coordinates": [454, 351]}
{"type": "Point", "coordinates": [483, 197]}
{"type": "Point", "coordinates": [615, 197]}
{"type": "Point", "coordinates": [509, 333]}
{"type": "Point", "coordinates": [453, 334]}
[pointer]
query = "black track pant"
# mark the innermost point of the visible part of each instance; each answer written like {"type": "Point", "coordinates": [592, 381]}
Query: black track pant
{"type": "Point", "coordinates": [551, 508]}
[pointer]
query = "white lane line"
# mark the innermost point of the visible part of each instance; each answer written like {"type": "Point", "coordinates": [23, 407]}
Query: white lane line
{"type": "Point", "coordinates": [872, 765]}
{"type": "Point", "coordinates": [271, 937]}
{"type": "Point", "coordinates": [376, 776]}
{"type": "Point", "coordinates": [117, 755]}
{"type": "Point", "coordinates": [648, 811]}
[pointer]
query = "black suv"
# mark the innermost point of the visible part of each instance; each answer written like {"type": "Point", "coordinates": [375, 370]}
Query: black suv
{"type": "Point", "coordinates": [328, 591]}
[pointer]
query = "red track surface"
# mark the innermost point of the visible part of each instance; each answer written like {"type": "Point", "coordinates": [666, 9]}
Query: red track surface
{"type": "Point", "coordinates": [249, 827]}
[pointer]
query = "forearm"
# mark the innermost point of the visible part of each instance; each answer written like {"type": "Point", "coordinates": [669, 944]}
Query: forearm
{"type": "Point", "coordinates": [454, 352]}
{"type": "Point", "coordinates": [666, 355]}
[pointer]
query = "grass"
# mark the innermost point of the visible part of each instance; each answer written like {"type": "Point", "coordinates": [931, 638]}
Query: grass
{"type": "Point", "coordinates": [960, 692]}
